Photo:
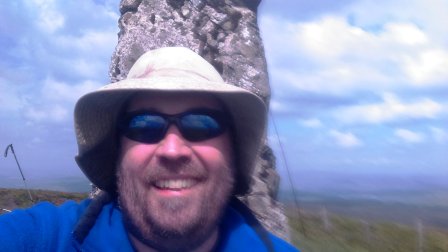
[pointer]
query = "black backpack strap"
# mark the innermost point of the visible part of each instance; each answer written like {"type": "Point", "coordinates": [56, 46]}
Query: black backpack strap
{"type": "Point", "coordinates": [253, 222]}
{"type": "Point", "coordinates": [87, 220]}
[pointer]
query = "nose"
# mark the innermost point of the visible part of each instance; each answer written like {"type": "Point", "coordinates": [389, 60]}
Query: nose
{"type": "Point", "coordinates": [173, 147]}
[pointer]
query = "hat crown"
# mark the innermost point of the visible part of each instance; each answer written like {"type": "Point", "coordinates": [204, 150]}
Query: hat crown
{"type": "Point", "coordinates": [176, 62]}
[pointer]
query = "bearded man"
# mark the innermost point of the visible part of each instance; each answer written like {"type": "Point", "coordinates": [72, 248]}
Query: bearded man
{"type": "Point", "coordinates": [171, 147]}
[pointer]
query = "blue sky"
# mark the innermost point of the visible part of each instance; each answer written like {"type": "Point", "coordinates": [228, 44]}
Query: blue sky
{"type": "Point", "coordinates": [358, 86]}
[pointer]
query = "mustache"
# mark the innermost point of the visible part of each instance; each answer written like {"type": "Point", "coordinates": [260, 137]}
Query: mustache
{"type": "Point", "coordinates": [180, 170]}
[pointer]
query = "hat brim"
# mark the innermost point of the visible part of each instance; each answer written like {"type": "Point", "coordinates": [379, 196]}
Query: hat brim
{"type": "Point", "coordinates": [96, 115]}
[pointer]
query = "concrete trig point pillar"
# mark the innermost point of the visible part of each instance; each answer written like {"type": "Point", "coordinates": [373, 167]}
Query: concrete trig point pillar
{"type": "Point", "coordinates": [224, 32]}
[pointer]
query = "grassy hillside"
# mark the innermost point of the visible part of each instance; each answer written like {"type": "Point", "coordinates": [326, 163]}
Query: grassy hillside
{"type": "Point", "coordinates": [335, 233]}
{"type": "Point", "coordinates": [316, 232]}
{"type": "Point", "coordinates": [18, 198]}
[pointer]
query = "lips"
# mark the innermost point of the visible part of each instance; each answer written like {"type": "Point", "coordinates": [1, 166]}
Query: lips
{"type": "Point", "coordinates": [175, 184]}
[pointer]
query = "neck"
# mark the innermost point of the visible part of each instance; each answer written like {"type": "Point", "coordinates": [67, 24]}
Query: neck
{"type": "Point", "coordinates": [206, 246]}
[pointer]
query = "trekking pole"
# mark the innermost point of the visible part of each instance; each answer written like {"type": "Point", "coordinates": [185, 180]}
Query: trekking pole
{"type": "Point", "coordinates": [20, 169]}
{"type": "Point", "coordinates": [296, 201]}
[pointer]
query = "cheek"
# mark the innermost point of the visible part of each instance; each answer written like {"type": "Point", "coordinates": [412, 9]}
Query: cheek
{"type": "Point", "coordinates": [215, 155]}
{"type": "Point", "coordinates": [135, 156]}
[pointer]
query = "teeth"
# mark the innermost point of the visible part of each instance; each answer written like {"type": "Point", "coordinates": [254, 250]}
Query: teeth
{"type": "Point", "coordinates": [175, 184]}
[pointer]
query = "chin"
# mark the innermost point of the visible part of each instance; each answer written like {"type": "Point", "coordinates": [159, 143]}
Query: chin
{"type": "Point", "coordinates": [181, 223]}
{"type": "Point", "coordinates": [174, 224]}
{"type": "Point", "coordinates": [180, 219]}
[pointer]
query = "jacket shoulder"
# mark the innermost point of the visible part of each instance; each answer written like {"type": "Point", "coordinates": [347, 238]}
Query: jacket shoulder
{"type": "Point", "coordinates": [238, 235]}
{"type": "Point", "coordinates": [282, 245]}
{"type": "Point", "coordinates": [43, 227]}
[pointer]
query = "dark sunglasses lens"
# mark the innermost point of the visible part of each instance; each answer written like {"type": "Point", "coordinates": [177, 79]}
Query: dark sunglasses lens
{"type": "Point", "coordinates": [198, 127]}
{"type": "Point", "coordinates": [146, 128]}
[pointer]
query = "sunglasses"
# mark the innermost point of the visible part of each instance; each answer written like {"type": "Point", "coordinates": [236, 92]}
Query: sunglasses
{"type": "Point", "coordinates": [194, 125]}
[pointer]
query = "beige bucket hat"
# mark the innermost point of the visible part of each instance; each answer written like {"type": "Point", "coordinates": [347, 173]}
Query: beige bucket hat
{"type": "Point", "coordinates": [164, 70]}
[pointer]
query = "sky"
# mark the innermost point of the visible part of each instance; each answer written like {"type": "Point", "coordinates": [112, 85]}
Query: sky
{"type": "Point", "coordinates": [357, 86]}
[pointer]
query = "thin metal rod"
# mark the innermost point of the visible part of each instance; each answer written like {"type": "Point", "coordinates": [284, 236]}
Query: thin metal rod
{"type": "Point", "coordinates": [296, 201]}
{"type": "Point", "coordinates": [20, 169]}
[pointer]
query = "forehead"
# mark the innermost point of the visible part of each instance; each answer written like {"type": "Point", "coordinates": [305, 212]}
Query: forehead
{"type": "Point", "coordinates": [172, 103]}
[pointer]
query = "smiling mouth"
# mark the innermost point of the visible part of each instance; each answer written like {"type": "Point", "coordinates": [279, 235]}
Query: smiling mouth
{"type": "Point", "coordinates": [175, 184]}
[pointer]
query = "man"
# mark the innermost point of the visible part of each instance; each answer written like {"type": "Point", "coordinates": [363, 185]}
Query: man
{"type": "Point", "coordinates": [171, 146]}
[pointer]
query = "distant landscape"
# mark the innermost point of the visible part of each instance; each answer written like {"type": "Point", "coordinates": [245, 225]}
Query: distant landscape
{"type": "Point", "coordinates": [402, 203]}
{"type": "Point", "coordinates": [368, 212]}
{"type": "Point", "coordinates": [314, 231]}
{"type": "Point", "coordinates": [62, 184]}
{"type": "Point", "coordinates": [317, 232]}
{"type": "Point", "coordinates": [399, 198]}
{"type": "Point", "coordinates": [11, 199]}
{"type": "Point", "coordinates": [404, 199]}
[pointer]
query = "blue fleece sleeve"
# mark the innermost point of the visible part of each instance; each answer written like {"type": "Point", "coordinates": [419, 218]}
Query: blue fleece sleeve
{"type": "Point", "coordinates": [237, 235]}
{"type": "Point", "coordinates": [281, 245]}
{"type": "Point", "coordinates": [44, 227]}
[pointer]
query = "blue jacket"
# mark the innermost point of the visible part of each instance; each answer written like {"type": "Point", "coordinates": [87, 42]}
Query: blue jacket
{"type": "Point", "coordinates": [46, 227]}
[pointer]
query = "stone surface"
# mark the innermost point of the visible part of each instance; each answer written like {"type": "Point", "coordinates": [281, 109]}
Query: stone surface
{"type": "Point", "coordinates": [224, 32]}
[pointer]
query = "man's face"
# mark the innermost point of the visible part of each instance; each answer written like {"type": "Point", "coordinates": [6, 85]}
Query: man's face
{"type": "Point", "coordinates": [174, 190]}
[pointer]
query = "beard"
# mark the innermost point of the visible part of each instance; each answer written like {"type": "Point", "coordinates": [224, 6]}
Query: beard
{"type": "Point", "coordinates": [174, 223]}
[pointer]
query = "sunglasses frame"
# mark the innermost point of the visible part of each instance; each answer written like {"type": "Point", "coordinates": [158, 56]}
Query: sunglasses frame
{"type": "Point", "coordinates": [219, 116]}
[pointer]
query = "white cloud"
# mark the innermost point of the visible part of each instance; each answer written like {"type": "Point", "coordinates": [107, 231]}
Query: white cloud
{"type": "Point", "coordinates": [88, 41]}
{"type": "Point", "coordinates": [49, 113]}
{"type": "Point", "coordinates": [368, 13]}
{"type": "Point", "coordinates": [311, 123]}
{"type": "Point", "coordinates": [405, 34]}
{"type": "Point", "coordinates": [346, 52]}
{"type": "Point", "coordinates": [50, 103]}
{"type": "Point", "coordinates": [345, 139]}
{"type": "Point", "coordinates": [409, 136]}
{"type": "Point", "coordinates": [36, 140]}
{"type": "Point", "coordinates": [344, 49]}
{"type": "Point", "coordinates": [391, 109]}
{"type": "Point", "coordinates": [49, 19]}
{"type": "Point", "coordinates": [426, 66]}
{"type": "Point", "coordinates": [58, 51]}
{"type": "Point", "coordinates": [62, 37]}
{"type": "Point", "coordinates": [330, 38]}
{"type": "Point", "coordinates": [56, 100]}
{"type": "Point", "coordinates": [277, 106]}
{"type": "Point", "coordinates": [53, 90]}
{"type": "Point", "coordinates": [83, 55]}
{"type": "Point", "coordinates": [10, 99]}
{"type": "Point", "coordinates": [439, 135]}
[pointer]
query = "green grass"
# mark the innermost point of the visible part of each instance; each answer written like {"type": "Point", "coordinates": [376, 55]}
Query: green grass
{"type": "Point", "coordinates": [18, 198]}
{"type": "Point", "coordinates": [352, 235]}
{"type": "Point", "coordinates": [342, 235]}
